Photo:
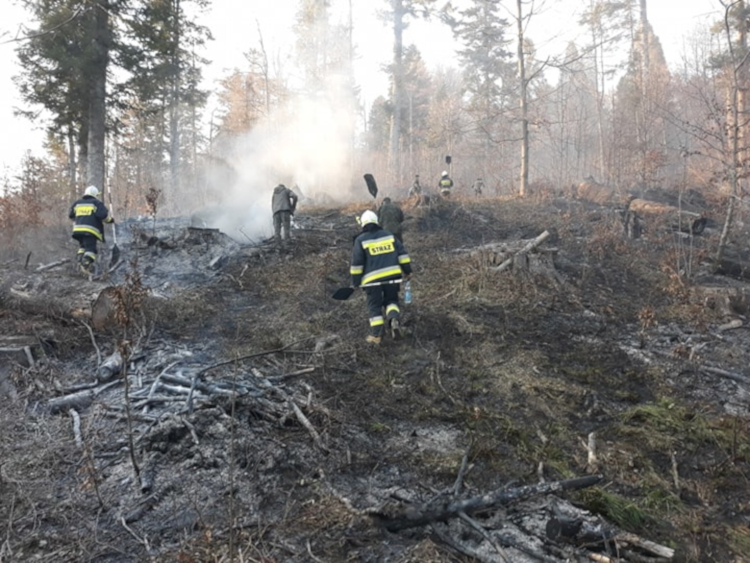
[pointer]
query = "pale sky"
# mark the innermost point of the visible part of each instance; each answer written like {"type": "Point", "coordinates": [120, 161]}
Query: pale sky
{"type": "Point", "coordinates": [233, 23]}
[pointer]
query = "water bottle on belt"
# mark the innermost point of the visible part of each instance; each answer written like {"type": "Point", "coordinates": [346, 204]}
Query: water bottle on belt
{"type": "Point", "coordinates": [407, 292]}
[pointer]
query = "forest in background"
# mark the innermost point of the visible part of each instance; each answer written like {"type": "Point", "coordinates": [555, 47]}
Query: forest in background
{"type": "Point", "coordinates": [118, 83]}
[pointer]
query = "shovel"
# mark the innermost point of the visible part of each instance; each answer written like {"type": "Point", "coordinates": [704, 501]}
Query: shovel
{"type": "Point", "coordinates": [344, 293]}
{"type": "Point", "coordinates": [372, 186]}
{"type": "Point", "coordinates": [115, 258]}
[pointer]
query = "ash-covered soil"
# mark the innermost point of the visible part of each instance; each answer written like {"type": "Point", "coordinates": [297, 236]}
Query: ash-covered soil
{"type": "Point", "coordinates": [253, 422]}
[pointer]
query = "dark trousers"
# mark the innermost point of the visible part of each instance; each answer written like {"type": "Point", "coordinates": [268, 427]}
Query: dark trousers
{"type": "Point", "coordinates": [379, 297]}
{"type": "Point", "coordinates": [87, 248]}
{"type": "Point", "coordinates": [282, 220]}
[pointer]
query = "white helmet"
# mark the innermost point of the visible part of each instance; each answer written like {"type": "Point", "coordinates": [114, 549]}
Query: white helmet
{"type": "Point", "coordinates": [93, 191]}
{"type": "Point", "coordinates": [445, 173]}
{"type": "Point", "coordinates": [368, 217]}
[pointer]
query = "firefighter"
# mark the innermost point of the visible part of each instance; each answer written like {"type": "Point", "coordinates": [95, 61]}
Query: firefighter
{"type": "Point", "coordinates": [478, 187]}
{"type": "Point", "coordinates": [283, 205]}
{"type": "Point", "coordinates": [378, 257]}
{"type": "Point", "coordinates": [416, 190]}
{"type": "Point", "coordinates": [391, 217]}
{"type": "Point", "coordinates": [445, 184]}
{"type": "Point", "coordinates": [89, 214]}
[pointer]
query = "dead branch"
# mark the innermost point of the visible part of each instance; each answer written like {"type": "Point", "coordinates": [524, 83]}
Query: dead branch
{"type": "Point", "coordinates": [412, 516]}
{"type": "Point", "coordinates": [93, 342]}
{"type": "Point", "coordinates": [727, 374]}
{"type": "Point", "coordinates": [303, 420]}
{"type": "Point", "coordinates": [51, 265]}
{"type": "Point", "coordinates": [76, 428]}
{"type": "Point", "coordinates": [458, 485]}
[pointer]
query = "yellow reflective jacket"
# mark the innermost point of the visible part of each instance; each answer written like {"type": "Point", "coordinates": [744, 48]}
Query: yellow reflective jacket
{"type": "Point", "coordinates": [378, 256]}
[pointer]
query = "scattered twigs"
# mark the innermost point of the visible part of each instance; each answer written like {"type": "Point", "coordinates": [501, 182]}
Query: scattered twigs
{"type": "Point", "coordinates": [156, 382]}
{"type": "Point", "coordinates": [191, 428]}
{"type": "Point", "coordinates": [107, 272]}
{"type": "Point", "coordinates": [292, 374]}
{"type": "Point", "coordinates": [460, 547]}
{"type": "Point", "coordinates": [76, 427]}
{"type": "Point", "coordinates": [255, 355]}
{"type": "Point", "coordinates": [646, 545]}
{"type": "Point", "coordinates": [143, 541]}
{"type": "Point", "coordinates": [93, 342]}
{"type": "Point", "coordinates": [475, 525]}
{"type": "Point", "coordinates": [592, 465]}
{"type": "Point", "coordinates": [303, 420]}
{"type": "Point", "coordinates": [458, 485]}
{"type": "Point", "coordinates": [675, 472]}
{"type": "Point", "coordinates": [29, 356]}
{"type": "Point", "coordinates": [124, 350]}
{"type": "Point", "coordinates": [310, 553]}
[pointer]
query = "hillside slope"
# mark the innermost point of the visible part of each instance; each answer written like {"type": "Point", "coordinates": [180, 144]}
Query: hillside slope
{"type": "Point", "coordinates": [257, 424]}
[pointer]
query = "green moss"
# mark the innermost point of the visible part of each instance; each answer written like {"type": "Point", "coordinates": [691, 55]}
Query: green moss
{"type": "Point", "coordinates": [664, 423]}
{"type": "Point", "coordinates": [739, 540]}
{"type": "Point", "coordinates": [379, 427]}
{"type": "Point", "coordinates": [621, 511]}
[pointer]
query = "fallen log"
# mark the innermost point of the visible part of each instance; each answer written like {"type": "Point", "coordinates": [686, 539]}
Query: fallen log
{"type": "Point", "coordinates": [593, 191]}
{"type": "Point", "coordinates": [681, 219]}
{"type": "Point", "coordinates": [411, 516]}
{"type": "Point", "coordinates": [78, 401]}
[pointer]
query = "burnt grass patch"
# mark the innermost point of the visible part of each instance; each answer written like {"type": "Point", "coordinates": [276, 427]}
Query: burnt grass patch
{"type": "Point", "coordinates": [516, 370]}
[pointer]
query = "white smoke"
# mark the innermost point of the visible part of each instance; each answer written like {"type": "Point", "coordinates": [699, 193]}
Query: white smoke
{"type": "Point", "coordinates": [307, 143]}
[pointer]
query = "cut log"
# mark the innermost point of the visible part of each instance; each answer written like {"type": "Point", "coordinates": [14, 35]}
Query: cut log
{"type": "Point", "coordinates": [110, 367]}
{"type": "Point", "coordinates": [103, 309]}
{"type": "Point", "coordinates": [531, 245]}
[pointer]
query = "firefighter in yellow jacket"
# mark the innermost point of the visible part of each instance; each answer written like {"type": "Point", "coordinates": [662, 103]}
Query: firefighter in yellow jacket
{"type": "Point", "coordinates": [379, 257]}
{"type": "Point", "coordinates": [89, 214]}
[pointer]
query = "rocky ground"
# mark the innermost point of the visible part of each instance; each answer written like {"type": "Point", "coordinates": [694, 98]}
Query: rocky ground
{"type": "Point", "coordinates": [251, 421]}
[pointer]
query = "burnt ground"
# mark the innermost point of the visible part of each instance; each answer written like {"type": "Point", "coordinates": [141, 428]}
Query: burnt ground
{"type": "Point", "coordinates": [512, 370]}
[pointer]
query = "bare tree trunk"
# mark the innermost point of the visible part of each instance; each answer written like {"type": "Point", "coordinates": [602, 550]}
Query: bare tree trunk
{"type": "Point", "coordinates": [394, 154]}
{"type": "Point", "coordinates": [264, 68]}
{"type": "Point", "coordinates": [72, 164]}
{"type": "Point", "coordinates": [98, 93]}
{"type": "Point", "coordinates": [735, 127]}
{"type": "Point", "coordinates": [174, 106]}
{"type": "Point", "coordinates": [524, 173]}
{"type": "Point", "coordinates": [597, 41]}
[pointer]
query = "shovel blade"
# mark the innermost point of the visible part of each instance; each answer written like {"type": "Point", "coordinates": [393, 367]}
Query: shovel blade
{"type": "Point", "coordinates": [115, 256]}
{"type": "Point", "coordinates": [343, 293]}
{"type": "Point", "coordinates": [372, 186]}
